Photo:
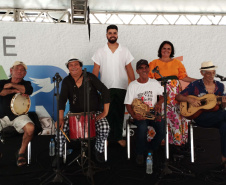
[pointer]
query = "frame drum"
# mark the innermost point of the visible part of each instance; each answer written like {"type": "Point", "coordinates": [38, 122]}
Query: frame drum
{"type": "Point", "coordinates": [20, 104]}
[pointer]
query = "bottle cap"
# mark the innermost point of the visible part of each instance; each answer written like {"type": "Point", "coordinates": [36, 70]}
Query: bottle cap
{"type": "Point", "coordinates": [149, 153]}
{"type": "Point", "coordinates": [51, 139]}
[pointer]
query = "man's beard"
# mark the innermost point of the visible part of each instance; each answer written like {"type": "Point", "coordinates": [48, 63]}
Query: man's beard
{"type": "Point", "coordinates": [112, 41]}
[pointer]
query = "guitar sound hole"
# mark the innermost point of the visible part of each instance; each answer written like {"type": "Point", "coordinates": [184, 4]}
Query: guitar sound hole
{"type": "Point", "coordinates": [152, 111]}
{"type": "Point", "coordinates": [188, 105]}
{"type": "Point", "coordinates": [203, 102]}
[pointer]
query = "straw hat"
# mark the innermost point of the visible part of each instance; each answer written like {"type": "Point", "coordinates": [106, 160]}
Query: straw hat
{"type": "Point", "coordinates": [72, 60]}
{"type": "Point", "coordinates": [19, 63]}
{"type": "Point", "coordinates": [208, 66]}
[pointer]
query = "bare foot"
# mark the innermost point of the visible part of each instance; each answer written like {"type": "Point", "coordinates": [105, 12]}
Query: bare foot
{"type": "Point", "coordinates": [122, 143]}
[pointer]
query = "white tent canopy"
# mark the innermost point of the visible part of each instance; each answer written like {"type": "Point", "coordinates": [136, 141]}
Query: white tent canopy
{"type": "Point", "coordinates": [179, 6]}
{"type": "Point", "coordinates": [183, 6]}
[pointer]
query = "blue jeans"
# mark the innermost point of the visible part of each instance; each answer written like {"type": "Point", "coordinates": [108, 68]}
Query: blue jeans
{"type": "Point", "coordinates": [141, 139]}
{"type": "Point", "coordinates": [215, 120]}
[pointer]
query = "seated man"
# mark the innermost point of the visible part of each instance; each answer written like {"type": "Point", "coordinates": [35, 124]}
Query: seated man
{"type": "Point", "coordinates": [73, 90]}
{"type": "Point", "coordinates": [22, 123]}
{"type": "Point", "coordinates": [147, 90]}
{"type": "Point", "coordinates": [207, 85]}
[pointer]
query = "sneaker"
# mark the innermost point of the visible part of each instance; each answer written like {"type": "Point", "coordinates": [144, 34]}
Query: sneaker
{"type": "Point", "coordinates": [99, 156]}
{"type": "Point", "coordinates": [140, 159]}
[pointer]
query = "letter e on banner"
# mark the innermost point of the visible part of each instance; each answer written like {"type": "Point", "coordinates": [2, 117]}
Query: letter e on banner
{"type": "Point", "coordinates": [8, 46]}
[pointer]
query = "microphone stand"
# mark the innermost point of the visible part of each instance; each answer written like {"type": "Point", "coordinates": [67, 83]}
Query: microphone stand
{"type": "Point", "coordinates": [57, 175]}
{"type": "Point", "coordinates": [91, 168]}
{"type": "Point", "coordinates": [166, 170]}
{"type": "Point", "coordinates": [221, 78]}
{"type": "Point", "coordinates": [89, 172]}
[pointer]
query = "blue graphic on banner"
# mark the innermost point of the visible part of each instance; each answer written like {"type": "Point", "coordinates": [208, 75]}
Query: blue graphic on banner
{"type": "Point", "coordinates": [43, 98]}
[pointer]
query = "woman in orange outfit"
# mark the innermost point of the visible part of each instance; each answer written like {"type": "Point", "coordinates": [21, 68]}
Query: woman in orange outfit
{"type": "Point", "coordinates": [168, 66]}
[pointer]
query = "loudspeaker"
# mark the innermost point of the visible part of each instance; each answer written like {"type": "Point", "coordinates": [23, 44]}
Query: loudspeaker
{"type": "Point", "coordinates": [207, 146]}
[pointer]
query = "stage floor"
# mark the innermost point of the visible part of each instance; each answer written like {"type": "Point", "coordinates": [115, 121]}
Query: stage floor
{"type": "Point", "coordinates": [118, 170]}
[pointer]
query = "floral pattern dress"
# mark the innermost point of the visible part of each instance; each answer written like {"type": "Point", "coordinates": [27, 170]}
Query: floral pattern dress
{"type": "Point", "coordinates": [177, 124]}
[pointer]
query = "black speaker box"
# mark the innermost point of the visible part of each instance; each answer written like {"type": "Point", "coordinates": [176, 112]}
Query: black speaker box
{"type": "Point", "coordinates": [207, 146]}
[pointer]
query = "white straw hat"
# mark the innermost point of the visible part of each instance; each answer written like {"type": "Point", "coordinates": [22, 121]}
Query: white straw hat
{"type": "Point", "coordinates": [72, 60]}
{"type": "Point", "coordinates": [19, 63]}
{"type": "Point", "coordinates": [208, 66]}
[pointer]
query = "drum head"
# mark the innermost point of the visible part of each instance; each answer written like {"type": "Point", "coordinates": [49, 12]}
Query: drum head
{"type": "Point", "coordinates": [20, 104]}
{"type": "Point", "coordinates": [78, 115]}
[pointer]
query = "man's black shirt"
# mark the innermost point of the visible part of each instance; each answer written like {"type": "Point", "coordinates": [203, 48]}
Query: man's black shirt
{"type": "Point", "coordinates": [75, 95]}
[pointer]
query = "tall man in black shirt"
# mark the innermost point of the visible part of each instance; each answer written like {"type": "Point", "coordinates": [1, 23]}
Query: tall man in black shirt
{"type": "Point", "coordinates": [22, 123]}
{"type": "Point", "coordinates": [73, 90]}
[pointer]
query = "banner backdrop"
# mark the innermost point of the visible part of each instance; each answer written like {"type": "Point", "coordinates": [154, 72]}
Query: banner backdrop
{"type": "Point", "coordinates": [45, 48]}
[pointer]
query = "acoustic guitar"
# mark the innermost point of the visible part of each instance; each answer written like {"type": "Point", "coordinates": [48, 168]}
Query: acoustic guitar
{"type": "Point", "coordinates": [209, 103]}
{"type": "Point", "coordinates": [139, 107]}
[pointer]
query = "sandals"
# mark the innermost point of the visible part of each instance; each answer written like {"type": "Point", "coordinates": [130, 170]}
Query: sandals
{"type": "Point", "coordinates": [21, 159]}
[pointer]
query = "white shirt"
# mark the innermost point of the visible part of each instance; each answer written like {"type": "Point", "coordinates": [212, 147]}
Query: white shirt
{"type": "Point", "coordinates": [112, 66]}
{"type": "Point", "coordinates": [147, 92]}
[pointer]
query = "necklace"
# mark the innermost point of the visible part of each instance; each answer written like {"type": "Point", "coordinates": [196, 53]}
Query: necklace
{"type": "Point", "coordinates": [74, 94]}
{"type": "Point", "coordinates": [78, 78]}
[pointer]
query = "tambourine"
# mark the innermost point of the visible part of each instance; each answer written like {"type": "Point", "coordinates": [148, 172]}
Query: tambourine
{"type": "Point", "coordinates": [20, 104]}
{"type": "Point", "coordinates": [139, 107]}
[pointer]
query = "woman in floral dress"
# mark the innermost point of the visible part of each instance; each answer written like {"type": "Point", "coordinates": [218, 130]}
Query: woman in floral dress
{"type": "Point", "coordinates": [168, 66]}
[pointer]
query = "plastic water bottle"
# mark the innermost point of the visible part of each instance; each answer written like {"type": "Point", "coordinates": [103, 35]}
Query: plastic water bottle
{"type": "Point", "coordinates": [149, 164]}
{"type": "Point", "coordinates": [69, 151]}
{"type": "Point", "coordinates": [52, 147]}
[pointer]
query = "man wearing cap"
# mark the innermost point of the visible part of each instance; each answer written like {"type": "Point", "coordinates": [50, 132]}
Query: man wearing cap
{"type": "Point", "coordinates": [147, 90]}
{"type": "Point", "coordinates": [22, 123]}
{"type": "Point", "coordinates": [73, 90]}
{"type": "Point", "coordinates": [114, 63]}
{"type": "Point", "coordinates": [207, 85]}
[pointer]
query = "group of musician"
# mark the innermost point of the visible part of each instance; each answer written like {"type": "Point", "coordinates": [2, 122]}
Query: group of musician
{"type": "Point", "coordinates": [110, 95]}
